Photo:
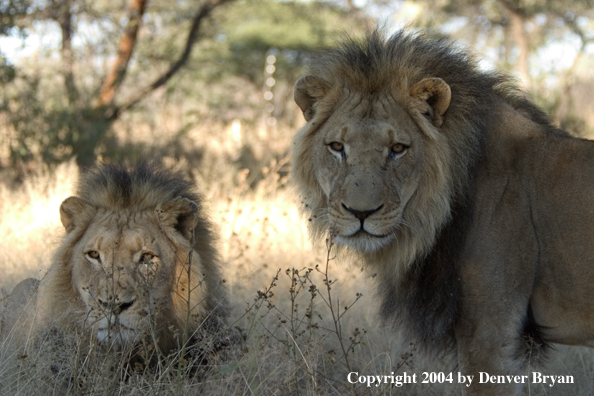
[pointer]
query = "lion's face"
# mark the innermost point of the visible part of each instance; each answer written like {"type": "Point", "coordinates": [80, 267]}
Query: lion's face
{"type": "Point", "coordinates": [372, 168]}
{"type": "Point", "coordinates": [367, 164]}
{"type": "Point", "coordinates": [130, 271]}
{"type": "Point", "coordinates": [124, 274]}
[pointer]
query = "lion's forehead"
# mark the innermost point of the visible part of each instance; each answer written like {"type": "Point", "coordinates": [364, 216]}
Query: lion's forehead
{"type": "Point", "coordinates": [363, 104]}
{"type": "Point", "coordinates": [377, 121]}
{"type": "Point", "coordinates": [117, 218]}
{"type": "Point", "coordinates": [121, 232]}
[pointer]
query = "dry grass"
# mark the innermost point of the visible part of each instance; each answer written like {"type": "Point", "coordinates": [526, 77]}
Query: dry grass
{"type": "Point", "coordinates": [288, 305]}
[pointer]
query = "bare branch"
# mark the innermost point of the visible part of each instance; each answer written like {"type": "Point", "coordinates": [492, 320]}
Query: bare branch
{"type": "Point", "coordinates": [203, 12]}
{"type": "Point", "coordinates": [127, 43]}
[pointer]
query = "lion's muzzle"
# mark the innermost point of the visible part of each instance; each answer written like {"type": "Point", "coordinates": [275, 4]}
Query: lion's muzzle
{"type": "Point", "coordinates": [118, 328]}
{"type": "Point", "coordinates": [361, 229]}
{"type": "Point", "coordinates": [117, 323]}
{"type": "Point", "coordinates": [118, 334]}
{"type": "Point", "coordinates": [116, 307]}
{"type": "Point", "coordinates": [362, 214]}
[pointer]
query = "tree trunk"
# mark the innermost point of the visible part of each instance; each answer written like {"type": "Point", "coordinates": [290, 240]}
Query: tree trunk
{"type": "Point", "coordinates": [519, 36]}
{"type": "Point", "coordinates": [127, 43]}
{"type": "Point", "coordinates": [64, 19]}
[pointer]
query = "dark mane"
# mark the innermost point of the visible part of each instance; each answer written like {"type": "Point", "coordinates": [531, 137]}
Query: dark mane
{"type": "Point", "coordinates": [143, 186]}
{"type": "Point", "coordinates": [377, 64]}
{"type": "Point", "coordinates": [425, 301]}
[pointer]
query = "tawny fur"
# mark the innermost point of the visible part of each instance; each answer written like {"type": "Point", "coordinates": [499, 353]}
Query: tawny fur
{"type": "Point", "coordinates": [436, 157]}
{"type": "Point", "coordinates": [125, 215]}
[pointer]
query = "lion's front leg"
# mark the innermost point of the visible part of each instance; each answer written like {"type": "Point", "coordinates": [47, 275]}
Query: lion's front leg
{"type": "Point", "coordinates": [489, 349]}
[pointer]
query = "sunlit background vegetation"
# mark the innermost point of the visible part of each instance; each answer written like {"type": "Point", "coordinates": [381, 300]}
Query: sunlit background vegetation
{"type": "Point", "coordinates": [206, 86]}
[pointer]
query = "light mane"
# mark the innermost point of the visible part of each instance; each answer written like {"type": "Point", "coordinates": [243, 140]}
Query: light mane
{"type": "Point", "coordinates": [123, 191]}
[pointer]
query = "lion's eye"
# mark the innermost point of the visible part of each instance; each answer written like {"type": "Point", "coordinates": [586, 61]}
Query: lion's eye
{"type": "Point", "coordinates": [147, 258]}
{"type": "Point", "coordinates": [398, 148]}
{"type": "Point", "coordinates": [93, 254]}
{"type": "Point", "coordinates": [336, 146]}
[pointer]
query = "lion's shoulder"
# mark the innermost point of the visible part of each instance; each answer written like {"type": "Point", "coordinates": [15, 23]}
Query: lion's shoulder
{"type": "Point", "coordinates": [18, 309]}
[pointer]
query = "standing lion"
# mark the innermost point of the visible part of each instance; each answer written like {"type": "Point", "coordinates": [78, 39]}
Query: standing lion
{"type": "Point", "coordinates": [475, 212]}
{"type": "Point", "coordinates": [137, 265]}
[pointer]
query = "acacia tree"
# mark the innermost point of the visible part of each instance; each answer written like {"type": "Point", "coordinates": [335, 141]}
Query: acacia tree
{"type": "Point", "coordinates": [106, 108]}
{"type": "Point", "coordinates": [200, 52]}
{"type": "Point", "coordinates": [88, 117]}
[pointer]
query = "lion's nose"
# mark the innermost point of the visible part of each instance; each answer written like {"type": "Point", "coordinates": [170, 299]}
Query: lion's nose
{"type": "Point", "coordinates": [116, 307]}
{"type": "Point", "coordinates": [362, 214]}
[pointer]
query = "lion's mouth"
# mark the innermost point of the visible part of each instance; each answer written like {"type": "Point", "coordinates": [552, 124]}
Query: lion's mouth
{"type": "Point", "coordinates": [116, 328]}
{"type": "Point", "coordinates": [364, 240]}
{"type": "Point", "coordinates": [117, 333]}
{"type": "Point", "coordinates": [362, 233]}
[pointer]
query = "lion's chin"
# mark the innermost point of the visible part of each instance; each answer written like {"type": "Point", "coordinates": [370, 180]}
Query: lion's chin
{"type": "Point", "coordinates": [364, 242]}
{"type": "Point", "coordinates": [118, 335]}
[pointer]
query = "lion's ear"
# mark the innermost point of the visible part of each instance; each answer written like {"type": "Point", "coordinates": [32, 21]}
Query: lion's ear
{"type": "Point", "coordinates": [437, 94]}
{"type": "Point", "coordinates": [309, 90]}
{"type": "Point", "coordinates": [70, 209]}
{"type": "Point", "coordinates": [180, 213]}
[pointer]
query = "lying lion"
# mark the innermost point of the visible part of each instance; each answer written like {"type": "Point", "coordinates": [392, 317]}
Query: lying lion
{"type": "Point", "coordinates": [474, 211]}
{"type": "Point", "coordinates": [138, 264]}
